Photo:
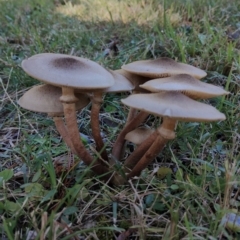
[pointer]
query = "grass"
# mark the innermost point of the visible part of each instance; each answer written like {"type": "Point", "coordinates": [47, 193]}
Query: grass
{"type": "Point", "coordinates": [189, 191]}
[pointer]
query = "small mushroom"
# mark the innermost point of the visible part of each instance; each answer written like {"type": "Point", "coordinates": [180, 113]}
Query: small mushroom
{"type": "Point", "coordinates": [162, 67]}
{"type": "Point", "coordinates": [186, 84]}
{"type": "Point", "coordinates": [121, 83]}
{"type": "Point", "coordinates": [135, 79]}
{"type": "Point", "coordinates": [173, 107]}
{"type": "Point", "coordinates": [139, 135]}
{"type": "Point", "coordinates": [70, 73]}
{"type": "Point", "coordinates": [130, 126]}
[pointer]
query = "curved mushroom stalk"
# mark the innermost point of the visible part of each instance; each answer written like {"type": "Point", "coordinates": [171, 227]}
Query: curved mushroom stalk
{"type": "Point", "coordinates": [68, 99]}
{"type": "Point", "coordinates": [96, 105]}
{"type": "Point", "coordinates": [121, 84]}
{"type": "Point", "coordinates": [136, 80]}
{"type": "Point", "coordinates": [134, 158]}
{"type": "Point", "coordinates": [119, 143]}
{"type": "Point", "coordinates": [61, 128]}
{"type": "Point", "coordinates": [163, 134]}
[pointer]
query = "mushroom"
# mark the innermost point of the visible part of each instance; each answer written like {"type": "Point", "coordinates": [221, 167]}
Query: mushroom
{"type": "Point", "coordinates": [45, 99]}
{"type": "Point", "coordinates": [162, 67]}
{"type": "Point", "coordinates": [186, 84]}
{"type": "Point", "coordinates": [141, 72]}
{"type": "Point", "coordinates": [70, 73]}
{"type": "Point", "coordinates": [172, 106]}
{"type": "Point", "coordinates": [130, 126]}
{"type": "Point", "coordinates": [136, 80]}
{"type": "Point", "coordinates": [181, 83]}
{"type": "Point", "coordinates": [139, 135]}
{"type": "Point", "coordinates": [133, 119]}
{"type": "Point", "coordinates": [121, 83]}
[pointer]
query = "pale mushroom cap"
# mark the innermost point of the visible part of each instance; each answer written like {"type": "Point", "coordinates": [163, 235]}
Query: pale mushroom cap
{"type": "Point", "coordinates": [162, 67]}
{"type": "Point", "coordinates": [45, 99]}
{"type": "Point", "coordinates": [138, 135]}
{"type": "Point", "coordinates": [121, 83]}
{"type": "Point", "coordinates": [186, 84]}
{"type": "Point", "coordinates": [67, 71]}
{"type": "Point", "coordinates": [134, 78]}
{"type": "Point", "coordinates": [174, 105]}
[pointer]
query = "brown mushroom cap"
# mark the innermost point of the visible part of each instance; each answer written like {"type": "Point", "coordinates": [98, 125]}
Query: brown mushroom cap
{"type": "Point", "coordinates": [45, 99]}
{"type": "Point", "coordinates": [174, 105]}
{"type": "Point", "coordinates": [121, 83]}
{"type": "Point", "coordinates": [67, 71]}
{"type": "Point", "coordinates": [162, 67]}
{"type": "Point", "coordinates": [138, 135]}
{"type": "Point", "coordinates": [186, 84]}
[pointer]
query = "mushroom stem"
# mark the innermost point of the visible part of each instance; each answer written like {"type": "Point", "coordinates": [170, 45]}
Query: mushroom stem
{"type": "Point", "coordinates": [119, 143]}
{"type": "Point", "coordinates": [96, 105]}
{"type": "Point", "coordinates": [71, 121]}
{"type": "Point", "coordinates": [164, 133]}
{"type": "Point", "coordinates": [133, 159]}
{"type": "Point", "coordinates": [131, 114]}
{"type": "Point", "coordinates": [61, 128]}
{"type": "Point", "coordinates": [68, 100]}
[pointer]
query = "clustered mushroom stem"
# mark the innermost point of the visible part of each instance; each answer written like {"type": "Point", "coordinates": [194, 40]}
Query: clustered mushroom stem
{"type": "Point", "coordinates": [96, 105]}
{"type": "Point", "coordinates": [61, 128]}
{"type": "Point", "coordinates": [119, 143]}
{"type": "Point", "coordinates": [71, 121]}
{"type": "Point", "coordinates": [131, 114]}
{"type": "Point", "coordinates": [68, 100]}
{"type": "Point", "coordinates": [133, 159]}
{"type": "Point", "coordinates": [165, 132]}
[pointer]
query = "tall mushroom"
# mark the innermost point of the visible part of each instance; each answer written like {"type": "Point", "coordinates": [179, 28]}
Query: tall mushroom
{"type": "Point", "coordinates": [70, 73]}
{"type": "Point", "coordinates": [45, 99]}
{"type": "Point", "coordinates": [172, 106]}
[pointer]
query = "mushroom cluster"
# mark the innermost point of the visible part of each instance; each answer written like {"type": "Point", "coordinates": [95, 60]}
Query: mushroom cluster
{"type": "Point", "coordinates": [161, 87]}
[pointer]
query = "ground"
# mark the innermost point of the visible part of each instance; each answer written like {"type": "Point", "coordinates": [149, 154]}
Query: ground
{"type": "Point", "coordinates": [191, 191]}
